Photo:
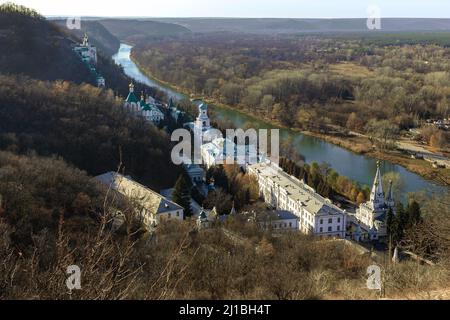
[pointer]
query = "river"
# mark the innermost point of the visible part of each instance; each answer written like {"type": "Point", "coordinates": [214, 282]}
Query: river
{"type": "Point", "coordinates": [357, 167]}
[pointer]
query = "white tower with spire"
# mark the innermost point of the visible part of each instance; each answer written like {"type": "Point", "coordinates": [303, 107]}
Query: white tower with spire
{"type": "Point", "coordinates": [202, 123]}
{"type": "Point", "coordinates": [377, 200]}
{"type": "Point", "coordinates": [131, 102]}
{"type": "Point", "coordinates": [372, 214]}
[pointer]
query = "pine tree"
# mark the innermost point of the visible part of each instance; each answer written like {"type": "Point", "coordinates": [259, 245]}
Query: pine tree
{"type": "Point", "coordinates": [182, 194]}
{"type": "Point", "coordinates": [390, 221]}
{"type": "Point", "coordinates": [399, 224]}
{"type": "Point", "coordinates": [414, 214]}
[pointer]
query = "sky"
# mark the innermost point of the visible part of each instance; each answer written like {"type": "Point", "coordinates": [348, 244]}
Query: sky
{"type": "Point", "coordinates": [241, 8]}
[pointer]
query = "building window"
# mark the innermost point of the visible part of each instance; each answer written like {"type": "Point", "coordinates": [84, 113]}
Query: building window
{"type": "Point", "coordinates": [330, 220]}
{"type": "Point", "coordinates": [321, 221]}
{"type": "Point", "coordinates": [338, 228]}
{"type": "Point", "coordinates": [169, 215]}
{"type": "Point", "coordinates": [178, 213]}
{"type": "Point", "coordinates": [339, 220]}
{"type": "Point", "coordinates": [290, 224]}
{"type": "Point", "coordinates": [329, 229]}
{"type": "Point", "coordinates": [321, 229]}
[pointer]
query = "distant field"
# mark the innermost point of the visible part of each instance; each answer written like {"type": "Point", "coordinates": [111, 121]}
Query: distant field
{"type": "Point", "coordinates": [349, 69]}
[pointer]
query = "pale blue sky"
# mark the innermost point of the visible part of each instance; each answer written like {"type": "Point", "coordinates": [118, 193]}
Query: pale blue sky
{"type": "Point", "coordinates": [241, 8]}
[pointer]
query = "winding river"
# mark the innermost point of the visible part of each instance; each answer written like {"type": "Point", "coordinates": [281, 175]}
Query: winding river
{"type": "Point", "coordinates": [357, 167]}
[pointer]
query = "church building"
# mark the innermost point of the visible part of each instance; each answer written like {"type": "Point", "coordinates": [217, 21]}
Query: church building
{"type": "Point", "coordinates": [202, 125]}
{"type": "Point", "coordinates": [88, 55]}
{"type": "Point", "coordinates": [371, 215]}
{"type": "Point", "coordinates": [144, 107]}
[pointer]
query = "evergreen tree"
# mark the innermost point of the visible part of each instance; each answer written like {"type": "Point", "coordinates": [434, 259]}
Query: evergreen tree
{"type": "Point", "coordinates": [220, 177]}
{"type": "Point", "coordinates": [399, 223]}
{"type": "Point", "coordinates": [182, 194]}
{"type": "Point", "coordinates": [414, 214]}
{"type": "Point", "coordinates": [390, 221]}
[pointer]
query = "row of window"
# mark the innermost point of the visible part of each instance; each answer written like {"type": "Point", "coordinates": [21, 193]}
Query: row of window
{"type": "Point", "coordinates": [331, 220]}
{"type": "Point", "coordinates": [330, 229]}
{"type": "Point", "coordinates": [169, 215]}
{"type": "Point", "coordinates": [282, 225]}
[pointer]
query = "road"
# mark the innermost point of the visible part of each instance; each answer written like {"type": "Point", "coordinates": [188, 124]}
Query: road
{"type": "Point", "coordinates": [427, 154]}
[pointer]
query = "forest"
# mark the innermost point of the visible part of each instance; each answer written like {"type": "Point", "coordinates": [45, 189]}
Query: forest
{"type": "Point", "coordinates": [84, 125]}
{"type": "Point", "coordinates": [40, 49]}
{"type": "Point", "coordinates": [312, 82]}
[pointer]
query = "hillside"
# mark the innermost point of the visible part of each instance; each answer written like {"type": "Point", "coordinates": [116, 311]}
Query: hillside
{"type": "Point", "coordinates": [272, 25]}
{"type": "Point", "coordinates": [99, 36]}
{"type": "Point", "coordinates": [84, 125]}
{"type": "Point", "coordinates": [135, 31]}
{"type": "Point", "coordinates": [35, 47]}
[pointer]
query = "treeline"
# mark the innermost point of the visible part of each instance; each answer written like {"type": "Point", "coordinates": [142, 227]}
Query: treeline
{"type": "Point", "coordinates": [326, 181]}
{"type": "Point", "coordinates": [310, 82]}
{"type": "Point", "coordinates": [86, 126]}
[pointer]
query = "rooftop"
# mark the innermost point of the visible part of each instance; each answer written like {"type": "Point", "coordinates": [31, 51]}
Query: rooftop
{"type": "Point", "coordinates": [297, 190]}
{"type": "Point", "coordinates": [145, 197]}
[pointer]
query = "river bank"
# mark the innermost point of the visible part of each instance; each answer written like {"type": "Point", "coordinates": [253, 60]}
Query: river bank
{"type": "Point", "coordinates": [354, 143]}
{"type": "Point", "coordinates": [358, 167]}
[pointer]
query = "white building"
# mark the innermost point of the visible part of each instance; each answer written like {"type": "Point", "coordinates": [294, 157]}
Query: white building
{"type": "Point", "coordinates": [87, 52]}
{"type": "Point", "coordinates": [316, 215]}
{"type": "Point", "coordinates": [195, 172]}
{"type": "Point", "coordinates": [279, 220]}
{"type": "Point", "coordinates": [221, 151]}
{"type": "Point", "coordinates": [201, 127]}
{"type": "Point", "coordinates": [371, 215]}
{"type": "Point", "coordinates": [144, 107]}
{"type": "Point", "coordinates": [88, 55]}
{"type": "Point", "coordinates": [150, 206]}
{"type": "Point", "coordinates": [174, 112]}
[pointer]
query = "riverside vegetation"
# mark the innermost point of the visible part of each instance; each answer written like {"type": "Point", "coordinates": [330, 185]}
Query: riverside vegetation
{"type": "Point", "coordinates": [330, 87]}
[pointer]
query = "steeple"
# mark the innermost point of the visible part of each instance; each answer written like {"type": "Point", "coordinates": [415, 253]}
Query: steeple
{"type": "Point", "coordinates": [85, 40]}
{"type": "Point", "coordinates": [390, 197]}
{"type": "Point", "coordinates": [131, 99]}
{"type": "Point", "coordinates": [377, 194]}
{"type": "Point", "coordinates": [202, 122]}
{"type": "Point", "coordinates": [171, 104]}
